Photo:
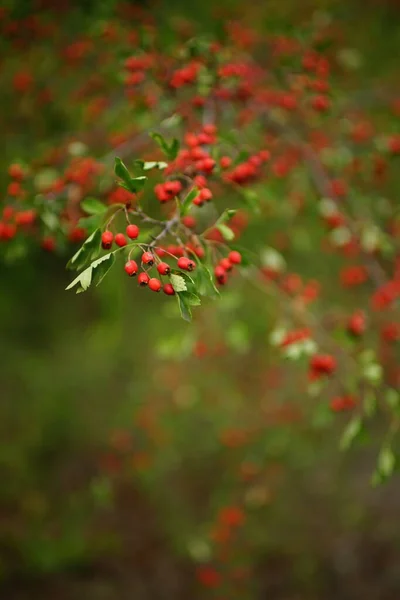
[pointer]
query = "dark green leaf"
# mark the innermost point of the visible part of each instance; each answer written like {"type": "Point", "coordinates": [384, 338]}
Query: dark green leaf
{"type": "Point", "coordinates": [121, 171]}
{"type": "Point", "coordinates": [87, 251]}
{"type": "Point", "coordinates": [90, 223]}
{"type": "Point", "coordinates": [190, 298]}
{"type": "Point", "coordinates": [226, 232]}
{"type": "Point", "coordinates": [351, 432]}
{"type": "Point", "coordinates": [187, 202]}
{"type": "Point", "coordinates": [102, 267]}
{"type": "Point", "coordinates": [184, 308]}
{"type": "Point", "coordinates": [205, 283]}
{"type": "Point", "coordinates": [92, 206]}
{"type": "Point", "coordinates": [155, 165]}
{"type": "Point", "coordinates": [170, 150]}
{"type": "Point", "coordinates": [84, 279]}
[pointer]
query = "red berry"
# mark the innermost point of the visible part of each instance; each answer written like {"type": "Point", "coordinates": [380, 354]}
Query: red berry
{"type": "Point", "coordinates": [186, 264]}
{"type": "Point", "coordinates": [154, 284]}
{"type": "Point", "coordinates": [205, 194]}
{"type": "Point", "coordinates": [225, 162]}
{"type": "Point", "coordinates": [148, 259]}
{"type": "Point", "coordinates": [15, 171]}
{"type": "Point", "coordinates": [235, 257]}
{"type": "Point", "coordinates": [131, 268]}
{"type": "Point", "coordinates": [48, 244]}
{"type": "Point", "coordinates": [226, 264]}
{"type": "Point", "coordinates": [198, 201]}
{"type": "Point", "coordinates": [189, 221]}
{"type": "Point", "coordinates": [132, 231]}
{"type": "Point", "coordinates": [168, 289]}
{"type": "Point", "coordinates": [163, 268]}
{"type": "Point", "coordinates": [143, 279]}
{"type": "Point", "coordinates": [120, 240]}
{"type": "Point", "coordinates": [107, 239]}
{"type": "Point", "coordinates": [220, 275]}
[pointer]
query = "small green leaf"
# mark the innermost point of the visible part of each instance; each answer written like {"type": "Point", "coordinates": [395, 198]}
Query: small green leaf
{"type": "Point", "coordinates": [155, 165]}
{"type": "Point", "coordinates": [90, 223]}
{"type": "Point", "coordinates": [87, 251]}
{"type": "Point", "coordinates": [190, 298]}
{"type": "Point", "coordinates": [178, 283]}
{"type": "Point", "coordinates": [226, 232]}
{"type": "Point", "coordinates": [102, 266]}
{"type": "Point", "coordinates": [171, 150]}
{"type": "Point", "coordinates": [204, 282]}
{"type": "Point", "coordinates": [184, 307]}
{"type": "Point", "coordinates": [226, 215]}
{"type": "Point", "coordinates": [84, 279]}
{"type": "Point", "coordinates": [92, 206]}
{"type": "Point", "coordinates": [50, 220]}
{"type": "Point", "coordinates": [188, 200]}
{"type": "Point", "coordinates": [386, 462]}
{"type": "Point", "coordinates": [392, 398]}
{"type": "Point", "coordinates": [352, 430]}
{"type": "Point", "coordinates": [135, 184]}
{"type": "Point", "coordinates": [121, 171]}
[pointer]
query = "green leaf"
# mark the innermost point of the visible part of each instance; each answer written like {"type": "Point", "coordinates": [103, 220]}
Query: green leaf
{"type": "Point", "coordinates": [87, 251]}
{"type": "Point", "coordinates": [392, 398]}
{"type": "Point", "coordinates": [226, 232]}
{"type": "Point", "coordinates": [178, 283]}
{"type": "Point", "coordinates": [84, 279]}
{"type": "Point", "coordinates": [135, 184]}
{"type": "Point", "coordinates": [90, 223]}
{"type": "Point", "coordinates": [204, 282]}
{"type": "Point", "coordinates": [184, 307]}
{"type": "Point", "coordinates": [187, 202]}
{"type": "Point", "coordinates": [352, 430]}
{"type": "Point", "coordinates": [121, 171]}
{"type": "Point", "coordinates": [102, 266]}
{"type": "Point", "coordinates": [226, 216]}
{"type": "Point", "coordinates": [251, 199]}
{"type": "Point", "coordinates": [190, 298]}
{"type": "Point", "coordinates": [386, 461]}
{"type": "Point", "coordinates": [155, 165]}
{"type": "Point", "coordinates": [92, 206]}
{"type": "Point", "coordinates": [171, 150]}
{"type": "Point", "coordinates": [132, 184]}
{"type": "Point", "coordinates": [50, 220]}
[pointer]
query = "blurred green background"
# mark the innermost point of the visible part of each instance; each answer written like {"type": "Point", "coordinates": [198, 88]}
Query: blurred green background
{"type": "Point", "coordinates": [124, 431]}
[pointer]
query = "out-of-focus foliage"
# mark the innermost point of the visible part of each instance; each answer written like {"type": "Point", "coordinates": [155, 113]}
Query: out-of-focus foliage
{"type": "Point", "coordinates": [145, 457]}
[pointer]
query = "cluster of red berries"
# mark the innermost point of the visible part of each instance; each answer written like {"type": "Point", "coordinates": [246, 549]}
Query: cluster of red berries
{"type": "Point", "coordinates": [147, 261]}
{"type": "Point", "coordinates": [108, 238]}
{"type": "Point", "coordinates": [168, 191]}
{"type": "Point", "coordinates": [297, 335]}
{"type": "Point", "coordinates": [321, 364]}
{"type": "Point", "coordinates": [341, 403]}
{"type": "Point", "coordinates": [225, 266]}
{"type": "Point", "coordinates": [357, 324]}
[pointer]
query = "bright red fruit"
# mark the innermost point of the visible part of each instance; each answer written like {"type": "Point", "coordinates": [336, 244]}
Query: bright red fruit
{"type": "Point", "coordinates": [148, 259]}
{"type": "Point", "coordinates": [132, 231]}
{"type": "Point", "coordinates": [143, 279]}
{"type": "Point", "coordinates": [168, 289]}
{"type": "Point", "coordinates": [235, 257]}
{"type": "Point", "coordinates": [186, 264]}
{"type": "Point", "coordinates": [107, 239]}
{"type": "Point", "coordinates": [154, 284]}
{"type": "Point", "coordinates": [120, 240]}
{"type": "Point", "coordinates": [163, 268]}
{"type": "Point", "coordinates": [131, 268]}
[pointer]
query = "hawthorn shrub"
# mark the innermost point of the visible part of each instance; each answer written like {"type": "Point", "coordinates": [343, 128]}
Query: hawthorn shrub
{"type": "Point", "coordinates": [218, 171]}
